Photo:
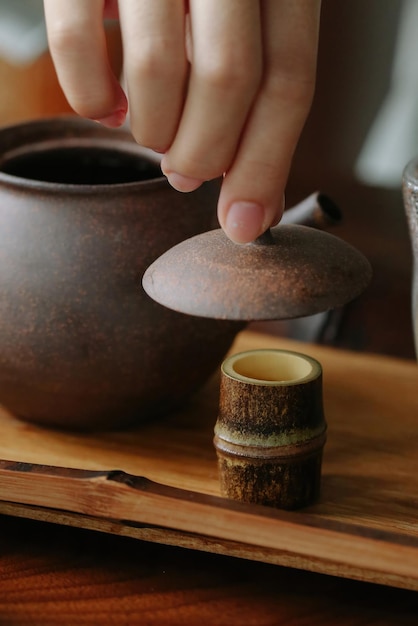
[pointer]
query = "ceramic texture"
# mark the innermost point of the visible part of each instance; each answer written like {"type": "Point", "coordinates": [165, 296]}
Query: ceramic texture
{"type": "Point", "coordinates": [83, 212]}
{"type": "Point", "coordinates": [270, 432]}
{"type": "Point", "coordinates": [292, 271]}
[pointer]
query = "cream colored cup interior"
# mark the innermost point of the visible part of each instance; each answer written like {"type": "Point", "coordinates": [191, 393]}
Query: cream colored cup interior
{"type": "Point", "coordinates": [271, 366]}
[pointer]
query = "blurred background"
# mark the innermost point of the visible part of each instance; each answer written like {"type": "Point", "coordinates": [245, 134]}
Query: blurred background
{"type": "Point", "coordinates": [361, 131]}
{"type": "Point", "coordinates": [29, 87]}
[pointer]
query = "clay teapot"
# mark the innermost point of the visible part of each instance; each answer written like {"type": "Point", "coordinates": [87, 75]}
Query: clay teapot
{"type": "Point", "coordinates": [83, 212]}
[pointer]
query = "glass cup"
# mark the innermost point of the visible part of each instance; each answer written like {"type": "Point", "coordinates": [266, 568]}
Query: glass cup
{"type": "Point", "coordinates": [410, 197]}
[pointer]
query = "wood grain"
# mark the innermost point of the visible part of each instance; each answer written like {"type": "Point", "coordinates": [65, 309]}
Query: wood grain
{"type": "Point", "coordinates": [58, 576]}
{"type": "Point", "coordinates": [365, 525]}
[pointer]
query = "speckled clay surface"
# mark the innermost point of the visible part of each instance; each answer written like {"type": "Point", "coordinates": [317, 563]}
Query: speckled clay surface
{"type": "Point", "coordinates": [81, 344]}
{"type": "Point", "coordinates": [294, 271]}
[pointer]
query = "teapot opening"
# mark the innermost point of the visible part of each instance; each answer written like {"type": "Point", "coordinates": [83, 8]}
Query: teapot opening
{"type": "Point", "coordinates": [81, 165]}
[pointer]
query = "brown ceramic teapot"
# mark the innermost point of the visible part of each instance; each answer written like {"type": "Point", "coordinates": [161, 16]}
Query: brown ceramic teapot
{"type": "Point", "coordinates": [83, 212]}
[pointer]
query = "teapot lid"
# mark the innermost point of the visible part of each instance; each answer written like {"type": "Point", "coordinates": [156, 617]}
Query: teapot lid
{"type": "Point", "coordinates": [291, 271]}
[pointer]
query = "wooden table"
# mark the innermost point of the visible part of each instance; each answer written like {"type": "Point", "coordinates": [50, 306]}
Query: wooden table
{"type": "Point", "coordinates": [52, 574]}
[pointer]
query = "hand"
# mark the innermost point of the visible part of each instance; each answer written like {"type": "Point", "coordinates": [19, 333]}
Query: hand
{"type": "Point", "coordinates": [220, 87]}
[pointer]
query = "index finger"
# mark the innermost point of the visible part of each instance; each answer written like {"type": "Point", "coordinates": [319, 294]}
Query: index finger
{"type": "Point", "coordinates": [252, 192]}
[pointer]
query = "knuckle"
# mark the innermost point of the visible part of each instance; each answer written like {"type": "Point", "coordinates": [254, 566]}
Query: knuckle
{"type": "Point", "coordinates": [291, 78]}
{"type": "Point", "coordinates": [236, 74]}
{"type": "Point", "coordinates": [157, 59]}
{"type": "Point", "coordinates": [296, 89]}
{"type": "Point", "coordinates": [65, 36]}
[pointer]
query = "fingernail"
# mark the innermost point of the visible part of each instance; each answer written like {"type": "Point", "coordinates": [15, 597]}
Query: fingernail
{"type": "Point", "coordinates": [182, 183]}
{"type": "Point", "coordinates": [114, 120]}
{"type": "Point", "coordinates": [244, 221]}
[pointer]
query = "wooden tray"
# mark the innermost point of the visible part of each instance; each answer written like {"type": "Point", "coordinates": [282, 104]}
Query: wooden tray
{"type": "Point", "coordinates": [159, 482]}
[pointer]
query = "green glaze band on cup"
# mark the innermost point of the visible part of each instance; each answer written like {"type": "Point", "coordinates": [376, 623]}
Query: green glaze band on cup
{"type": "Point", "coordinates": [271, 430]}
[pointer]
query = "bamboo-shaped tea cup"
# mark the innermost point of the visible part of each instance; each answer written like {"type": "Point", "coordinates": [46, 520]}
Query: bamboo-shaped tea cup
{"type": "Point", "coordinates": [271, 430]}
